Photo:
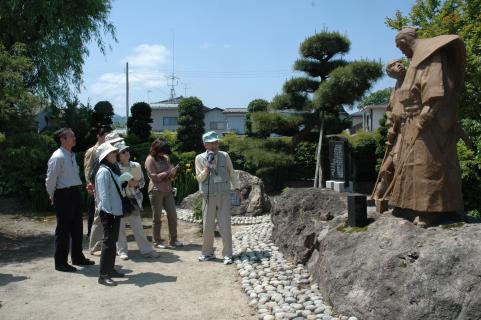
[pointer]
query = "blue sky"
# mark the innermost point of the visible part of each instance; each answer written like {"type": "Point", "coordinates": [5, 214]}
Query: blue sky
{"type": "Point", "coordinates": [227, 53]}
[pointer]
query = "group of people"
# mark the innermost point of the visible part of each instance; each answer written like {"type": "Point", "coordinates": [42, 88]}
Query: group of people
{"type": "Point", "coordinates": [114, 184]}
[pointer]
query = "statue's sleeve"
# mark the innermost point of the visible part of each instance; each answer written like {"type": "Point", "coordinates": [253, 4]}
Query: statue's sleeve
{"type": "Point", "coordinates": [432, 85]}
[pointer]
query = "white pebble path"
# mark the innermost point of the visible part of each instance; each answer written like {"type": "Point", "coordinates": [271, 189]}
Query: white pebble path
{"type": "Point", "coordinates": [188, 216]}
{"type": "Point", "coordinates": [277, 288]}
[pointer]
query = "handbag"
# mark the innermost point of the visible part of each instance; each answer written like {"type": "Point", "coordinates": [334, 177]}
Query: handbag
{"type": "Point", "coordinates": [127, 205]}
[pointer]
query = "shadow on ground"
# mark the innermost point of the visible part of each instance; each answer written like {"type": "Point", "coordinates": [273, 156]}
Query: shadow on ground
{"type": "Point", "coordinates": [6, 278]}
{"type": "Point", "coordinates": [23, 248]}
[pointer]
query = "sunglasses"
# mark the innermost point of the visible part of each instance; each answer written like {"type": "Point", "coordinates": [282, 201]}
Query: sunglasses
{"type": "Point", "coordinates": [124, 151]}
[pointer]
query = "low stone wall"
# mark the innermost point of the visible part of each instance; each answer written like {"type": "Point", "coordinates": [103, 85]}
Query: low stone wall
{"type": "Point", "coordinates": [389, 270]}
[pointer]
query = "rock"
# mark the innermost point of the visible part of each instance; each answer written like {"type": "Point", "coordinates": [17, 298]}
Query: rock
{"type": "Point", "coordinates": [390, 270]}
{"type": "Point", "coordinates": [188, 201]}
{"type": "Point", "coordinates": [256, 202]}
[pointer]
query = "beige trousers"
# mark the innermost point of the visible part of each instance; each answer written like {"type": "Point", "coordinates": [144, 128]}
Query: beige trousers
{"type": "Point", "coordinates": [158, 201]}
{"type": "Point", "coordinates": [96, 234]}
{"type": "Point", "coordinates": [135, 222]}
{"type": "Point", "coordinates": [217, 206]}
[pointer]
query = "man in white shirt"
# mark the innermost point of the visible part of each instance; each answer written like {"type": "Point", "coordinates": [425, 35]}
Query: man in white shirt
{"type": "Point", "coordinates": [63, 187]}
{"type": "Point", "coordinates": [216, 177]}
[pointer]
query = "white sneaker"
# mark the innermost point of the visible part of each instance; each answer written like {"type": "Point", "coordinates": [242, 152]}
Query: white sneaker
{"type": "Point", "coordinates": [178, 244]}
{"type": "Point", "coordinates": [227, 260]}
{"type": "Point", "coordinates": [206, 257]}
{"type": "Point", "coordinates": [151, 254]}
{"type": "Point", "coordinates": [124, 256]}
{"type": "Point", "coordinates": [159, 245]}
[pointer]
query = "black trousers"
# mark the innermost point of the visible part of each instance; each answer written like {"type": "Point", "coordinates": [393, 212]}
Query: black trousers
{"type": "Point", "coordinates": [68, 209]}
{"type": "Point", "coordinates": [90, 213]}
{"type": "Point", "coordinates": [111, 225]}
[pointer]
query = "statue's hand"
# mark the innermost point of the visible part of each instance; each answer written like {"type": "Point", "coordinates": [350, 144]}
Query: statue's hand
{"type": "Point", "coordinates": [425, 118]}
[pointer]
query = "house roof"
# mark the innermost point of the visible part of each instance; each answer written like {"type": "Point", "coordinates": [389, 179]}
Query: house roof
{"type": "Point", "coordinates": [176, 100]}
{"type": "Point", "coordinates": [235, 110]}
{"type": "Point", "coordinates": [376, 106]}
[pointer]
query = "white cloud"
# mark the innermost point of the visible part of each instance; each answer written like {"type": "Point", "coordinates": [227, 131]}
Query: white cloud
{"type": "Point", "coordinates": [147, 55]}
{"type": "Point", "coordinates": [143, 61]}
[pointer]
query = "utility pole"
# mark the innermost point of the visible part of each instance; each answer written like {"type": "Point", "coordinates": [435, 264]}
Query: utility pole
{"type": "Point", "coordinates": [127, 90]}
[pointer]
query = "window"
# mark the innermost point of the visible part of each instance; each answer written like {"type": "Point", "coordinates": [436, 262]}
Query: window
{"type": "Point", "coordinates": [170, 121]}
{"type": "Point", "coordinates": [217, 125]}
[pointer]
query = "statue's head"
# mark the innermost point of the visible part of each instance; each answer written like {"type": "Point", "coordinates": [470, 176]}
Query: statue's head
{"type": "Point", "coordinates": [405, 40]}
{"type": "Point", "coordinates": [396, 69]}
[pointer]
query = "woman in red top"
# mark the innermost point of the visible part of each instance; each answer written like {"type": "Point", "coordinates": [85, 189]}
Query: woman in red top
{"type": "Point", "coordinates": [161, 172]}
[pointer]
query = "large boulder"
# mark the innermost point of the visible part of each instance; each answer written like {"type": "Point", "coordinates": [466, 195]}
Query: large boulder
{"type": "Point", "coordinates": [391, 269]}
{"type": "Point", "coordinates": [256, 201]}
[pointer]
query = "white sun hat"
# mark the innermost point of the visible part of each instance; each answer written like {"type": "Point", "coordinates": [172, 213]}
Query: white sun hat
{"type": "Point", "coordinates": [104, 149]}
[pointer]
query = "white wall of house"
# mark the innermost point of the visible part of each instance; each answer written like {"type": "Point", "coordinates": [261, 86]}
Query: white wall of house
{"type": "Point", "coordinates": [163, 119]}
{"type": "Point", "coordinates": [214, 120]}
{"type": "Point", "coordinates": [371, 117]}
{"type": "Point", "coordinates": [236, 123]}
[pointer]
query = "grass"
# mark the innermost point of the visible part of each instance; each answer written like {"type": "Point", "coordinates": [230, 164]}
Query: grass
{"type": "Point", "coordinates": [345, 229]}
{"type": "Point", "coordinates": [452, 225]}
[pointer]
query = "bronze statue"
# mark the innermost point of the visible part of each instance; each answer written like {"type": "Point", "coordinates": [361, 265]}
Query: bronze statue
{"type": "Point", "coordinates": [394, 122]}
{"type": "Point", "coordinates": [427, 178]}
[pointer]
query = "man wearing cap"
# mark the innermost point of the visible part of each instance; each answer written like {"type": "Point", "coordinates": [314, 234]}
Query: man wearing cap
{"type": "Point", "coordinates": [216, 177]}
{"type": "Point", "coordinates": [63, 187]}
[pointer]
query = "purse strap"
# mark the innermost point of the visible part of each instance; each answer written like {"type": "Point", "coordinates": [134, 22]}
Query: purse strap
{"type": "Point", "coordinates": [115, 183]}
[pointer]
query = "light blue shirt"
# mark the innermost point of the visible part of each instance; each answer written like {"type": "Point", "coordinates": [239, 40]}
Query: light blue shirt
{"type": "Point", "coordinates": [107, 197]}
{"type": "Point", "coordinates": [62, 172]}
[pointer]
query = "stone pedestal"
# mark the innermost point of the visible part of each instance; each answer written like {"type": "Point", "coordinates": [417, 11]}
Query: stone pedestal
{"type": "Point", "coordinates": [339, 186]}
{"type": "Point", "coordinates": [330, 184]}
{"type": "Point", "coordinates": [356, 210]}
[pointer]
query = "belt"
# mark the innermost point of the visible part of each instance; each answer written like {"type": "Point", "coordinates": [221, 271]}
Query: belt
{"type": "Point", "coordinates": [68, 188]}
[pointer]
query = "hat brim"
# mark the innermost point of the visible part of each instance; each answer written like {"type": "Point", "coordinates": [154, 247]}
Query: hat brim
{"type": "Point", "coordinates": [106, 152]}
{"type": "Point", "coordinates": [210, 140]}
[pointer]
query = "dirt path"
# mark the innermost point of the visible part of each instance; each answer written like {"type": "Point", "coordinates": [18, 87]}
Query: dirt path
{"type": "Point", "coordinates": [175, 286]}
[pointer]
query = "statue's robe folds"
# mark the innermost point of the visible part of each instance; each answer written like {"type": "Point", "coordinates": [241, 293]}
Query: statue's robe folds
{"type": "Point", "coordinates": [429, 179]}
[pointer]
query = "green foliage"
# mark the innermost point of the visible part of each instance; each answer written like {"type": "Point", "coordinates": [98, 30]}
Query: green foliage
{"type": "Point", "coordinates": [377, 97]}
{"type": "Point", "coordinates": [305, 159]}
{"type": "Point", "coordinates": [56, 34]}
{"type": "Point", "coordinates": [256, 105]}
{"type": "Point", "coordinates": [103, 113]}
{"type": "Point", "coordinates": [185, 181]}
{"type": "Point", "coordinates": [470, 162]}
{"type": "Point", "coordinates": [265, 123]}
{"type": "Point", "coordinates": [325, 45]}
{"type": "Point", "coordinates": [138, 123]}
{"type": "Point", "coordinates": [191, 124]}
{"type": "Point", "coordinates": [197, 208]}
{"type": "Point", "coordinates": [363, 147]}
{"type": "Point", "coordinates": [17, 103]}
{"type": "Point", "coordinates": [347, 84]}
{"type": "Point", "coordinates": [300, 84]}
{"type": "Point", "coordinates": [23, 165]}
{"type": "Point", "coordinates": [461, 17]}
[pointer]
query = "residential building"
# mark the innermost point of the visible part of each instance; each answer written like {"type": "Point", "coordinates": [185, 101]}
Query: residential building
{"type": "Point", "coordinates": [371, 115]}
{"type": "Point", "coordinates": [165, 114]}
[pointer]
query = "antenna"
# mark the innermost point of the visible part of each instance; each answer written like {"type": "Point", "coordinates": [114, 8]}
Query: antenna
{"type": "Point", "coordinates": [186, 87]}
{"type": "Point", "coordinates": [174, 81]}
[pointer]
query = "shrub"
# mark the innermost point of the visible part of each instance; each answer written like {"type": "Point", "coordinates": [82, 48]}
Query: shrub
{"type": "Point", "coordinates": [139, 122]}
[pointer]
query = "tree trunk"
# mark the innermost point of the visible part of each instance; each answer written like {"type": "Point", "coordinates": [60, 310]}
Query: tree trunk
{"type": "Point", "coordinates": [318, 174]}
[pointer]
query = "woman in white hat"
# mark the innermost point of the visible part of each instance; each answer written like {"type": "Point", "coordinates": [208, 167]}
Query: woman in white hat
{"type": "Point", "coordinates": [109, 204]}
{"type": "Point", "coordinates": [132, 174]}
